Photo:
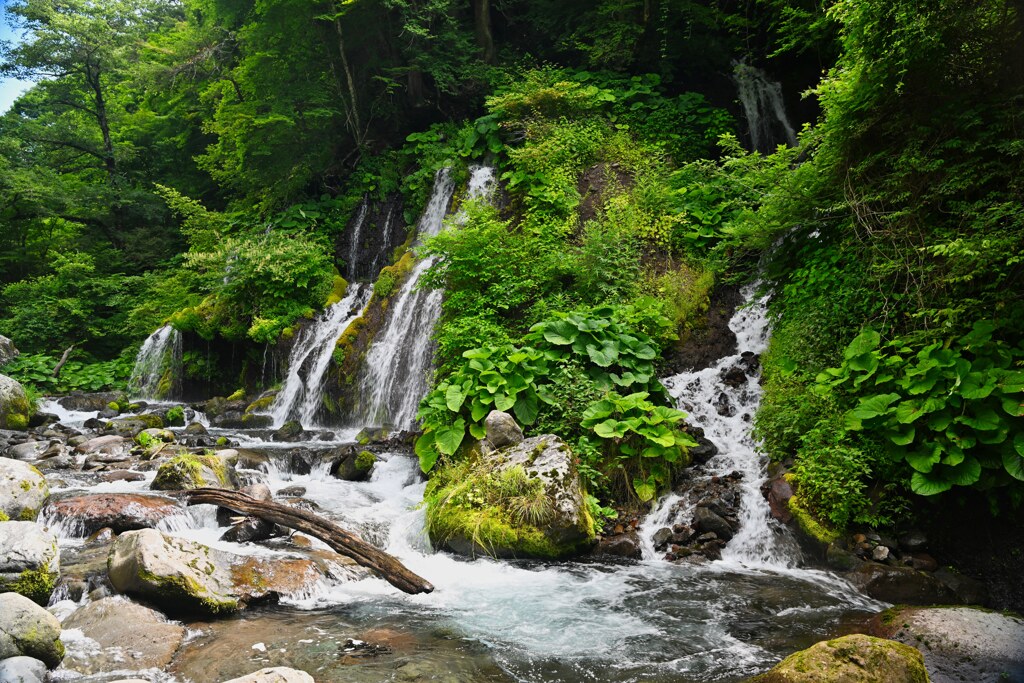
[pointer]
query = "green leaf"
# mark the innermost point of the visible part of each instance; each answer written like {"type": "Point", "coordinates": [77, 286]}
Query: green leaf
{"type": "Point", "coordinates": [560, 332]}
{"type": "Point", "coordinates": [966, 473]}
{"type": "Point", "coordinates": [426, 451]}
{"type": "Point", "coordinates": [903, 438]}
{"type": "Point", "coordinates": [504, 402]}
{"type": "Point", "coordinates": [645, 490]}
{"type": "Point", "coordinates": [924, 460]}
{"type": "Point", "coordinates": [929, 485]}
{"type": "Point", "coordinates": [604, 356]}
{"type": "Point", "coordinates": [448, 439]}
{"type": "Point", "coordinates": [977, 385]}
{"type": "Point", "coordinates": [983, 419]}
{"type": "Point", "coordinates": [865, 342]}
{"type": "Point", "coordinates": [1012, 382]}
{"type": "Point", "coordinates": [478, 430]}
{"type": "Point", "coordinates": [1013, 458]}
{"type": "Point", "coordinates": [871, 407]}
{"type": "Point", "coordinates": [1014, 406]}
{"type": "Point", "coordinates": [454, 398]}
{"type": "Point", "coordinates": [527, 407]}
{"type": "Point", "coordinates": [611, 429]}
{"type": "Point", "coordinates": [477, 410]}
{"type": "Point", "coordinates": [645, 352]}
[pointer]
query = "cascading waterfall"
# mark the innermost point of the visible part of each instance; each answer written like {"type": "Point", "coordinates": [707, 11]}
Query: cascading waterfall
{"type": "Point", "coordinates": [383, 254]}
{"type": "Point", "coordinates": [353, 245]}
{"type": "Point", "coordinates": [725, 410]}
{"type": "Point", "coordinates": [394, 377]}
{"type": "Point", "coordinates": [300, 396]}
{"type": "Point", "coordinates": [764, 109]}
{"type": "Point", "coordinates": [157, 371]}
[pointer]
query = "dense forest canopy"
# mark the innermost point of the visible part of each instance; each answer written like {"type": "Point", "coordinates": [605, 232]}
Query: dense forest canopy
{"type": "Point", "coordinates": [197, 162]}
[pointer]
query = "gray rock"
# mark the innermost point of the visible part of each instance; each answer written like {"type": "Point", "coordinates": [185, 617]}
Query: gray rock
{"type": "Point", "coordinates": [91, 403]}
{"type": "Point", "coordinates": [22, 670]}
{"type": "Point", "coordinates": [8, 352]}
{"type": "Point", "coordinates": [901, 585]}
{"type": "Point", "coordinates": [124, 631]}
{"type": "Point", "coordinates": [621, 545]}
{"type": "Point", "coordinates": [705, 520]}
{"type": "Point", "coordinates": [29, 560]}
{"type": "Point", "coordinates": [28, 629]}
{"type": "Point", "coordinates": [29, 450]}
{"type": "Point", "coordinates": [502, 429]}
{"type": "Point", "coordinates": [960, 643]}
{"type": "Point", "coordinates": [277, 674]}
{"type": "Point", "coordinates": [22, 490]}
{"type": "Point", "coordinates": [110, 448]}
{"type": "Point", "coordinates": [14, 405]}
{"type": "Point", "coordinates": [880, 553]}
{"type": "Point", "coordinates": [249, 528]}
{"type": "Point", "coordinates": [185, 576]}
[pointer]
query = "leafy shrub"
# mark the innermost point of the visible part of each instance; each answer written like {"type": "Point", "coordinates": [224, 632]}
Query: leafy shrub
{"type": "Point", "coordinates": [37, 370]}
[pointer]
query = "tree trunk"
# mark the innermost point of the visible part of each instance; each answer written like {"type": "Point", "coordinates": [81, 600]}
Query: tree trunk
{"type": "Point", "coordinates": [92, 75]}
{"type": "Point", "coordinates": [484, 35]}
{"type": "Point", "coordinates": [349, 545]}
{"type": "Point", "coordinates": [63, 359]}
{"type": "Point", "coordinates": [354, 123]}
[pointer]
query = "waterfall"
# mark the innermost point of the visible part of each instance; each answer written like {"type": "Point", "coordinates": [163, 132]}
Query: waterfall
{"type": "Point", "coordinates": [763, 108]}
{"type": "Point", "coordinates": [395, 374]}
{"type": "Point", "coordinates": [353, 244]}
{"type": "Point", "coordinates": [157, 370]}
{"type": "Point", "coordinates": [300, 396]}
{"type": "Point", "coordinates": [725, 410]}
{"type": "Point", "coordinates": [387, 224]}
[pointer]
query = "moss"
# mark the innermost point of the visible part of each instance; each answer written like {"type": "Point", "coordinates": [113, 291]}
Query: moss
{"type": "Point", "coordinates": [176, 416]}
{"type": "Point", "coordinates": [365, 460]}
{"type": "Point", "coordinates": [809, 525]}
{"type": "Point", "coordinates": [855, 659]}
{"type": "Point", "coordinates": [4, 517]}
{"type": "Point", "coordinates": [186, 471]}
{"type": "Point", "coordinates": [260, 405]}
{"type": "Point", "coordinates": [237, 396]}
{"type": "Point", "coordinates": [113, 406]}
{"type": "Point", "coordinates": [391, 276]}
{"type": "Point", "coordinates": [35, 584]}
{"type": "Point", "coordinates": [17, 421]}
{"type": "Point", "coordinates": [338, 288]}
{"type": "Point", "coordinates": [222, 441]}
{"type": "Point", "coordinates": [288, 333]}
{"type": "Point", "coordinates": [176, 588]}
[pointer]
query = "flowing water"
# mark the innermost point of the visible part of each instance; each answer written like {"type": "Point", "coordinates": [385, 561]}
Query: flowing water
{"type": "Point", "coordinates": [487, 620]}
{"type": "Point", "coordinates": [302, 391]}
{"type": "Point", "coordinates": [764, 109]}
{"type": "Point", "coordinates": [353, 245]}
{"type": "Point", "coordinates": [157, 371]}
{"type": "Point", "coordinates": [395, 373]}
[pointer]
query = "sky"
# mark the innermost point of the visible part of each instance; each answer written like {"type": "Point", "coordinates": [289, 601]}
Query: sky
{"type": "Point", "coordinates": [10, 88]}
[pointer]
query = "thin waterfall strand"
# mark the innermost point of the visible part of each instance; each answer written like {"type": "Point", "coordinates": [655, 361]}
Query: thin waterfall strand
{"type": "Point", "coordinates": [157, 371]}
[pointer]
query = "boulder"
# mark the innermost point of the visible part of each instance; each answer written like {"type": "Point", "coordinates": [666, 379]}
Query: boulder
{"type": "Point", "coordinates": [289, 431]}
{"type": "Point", "coordinates": [185, 576]}
{"type": "Point", "coordinates": [109, 448]}
{"type": "Point", "coordinates": [90, 403]}
{"type": "Point", "coordinates": [850, 659]}
{"type": "Point", "coordinates": [901, 585]}
{"type": "Point", "coordinates": [705, 521]}
{"type": "Point", "coordinates": [541, 514]}
{"type": "Point", "coordinates": [187, 471]}
{"type": "Point", "coordinates": [122, 630]}
{"type": "Point", "coordinates": [28, 629]}
{"type": "Point", "coordinates": [85, 514]}
{"type": "Point", "coordinates": [14, 404]}
{"type": "Point", "coordinates": [277, 674]}
{"type": "Point", "coordinates": [22, 670]}
{"type": "Point", "coordinates": [959, 643]}
{"type": "Point", "coordinates": [29, 560]}
{"type": "Point", "coordinates": [28, 450]}
{"type": "Point", "coordinates": [133, 425]}
{"type": "Point", "coordinates": [247, 529]}
{"type": "Point", "coordinates": [626, 544]}
{"type": "Point", "coordinates": [502, 429]}
{"type": "Point", "coordinates": [352, 463]}
{"type": "Point", "coordinates": [22, 490]}
{"type": "Point", "coordinates": [8, 352]}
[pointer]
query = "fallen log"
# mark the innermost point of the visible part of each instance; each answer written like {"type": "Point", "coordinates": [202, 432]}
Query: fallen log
{"type": "Point", "coordinates": [344, 543]}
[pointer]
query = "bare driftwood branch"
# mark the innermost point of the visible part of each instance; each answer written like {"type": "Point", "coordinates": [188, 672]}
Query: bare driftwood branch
{"type": "Point", "coordinates": [63, 359]}
{"type": "Point", "coordinates": [349, 545]}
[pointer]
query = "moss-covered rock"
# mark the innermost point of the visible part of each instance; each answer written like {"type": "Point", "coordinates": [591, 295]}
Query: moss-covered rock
{"type": "Point", "coordinates": [338, 288]}
{"type": "Point", "coordinates": [23, 489]}
{"type": "Point", "coordinates": [29, 560]}
{"type": "Point", "coordinates": [524, 501]}
{"type": "Point", "coordinates": [176, 416]}
{"type": "Point", "coordinates": [188, 471]}
{"type": "Point", "coordinates": [850, 659]}
{"type": "Point", "coordinates": [15, 409]}
{"type": "Point", "coordinates": [29, 630]}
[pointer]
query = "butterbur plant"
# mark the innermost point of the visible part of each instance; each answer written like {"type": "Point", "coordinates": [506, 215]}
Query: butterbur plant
{"type": "Point", "coordinates": [647, 438]}
{"type": "Point", "coordinates": [952, 410]}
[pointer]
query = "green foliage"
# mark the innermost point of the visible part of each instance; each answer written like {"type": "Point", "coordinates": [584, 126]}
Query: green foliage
{"type": "Point", "coordinates": [645, 438]}
{"type": "Point", "coordinates": [36, 370]}
{"type": "Point", "coordinates": [176, 416]}
{"type": "Point", "coordinates": [951, 410]}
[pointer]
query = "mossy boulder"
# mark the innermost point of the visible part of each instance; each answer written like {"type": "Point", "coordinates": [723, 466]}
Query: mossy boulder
{"type": "Point", "coordinates": [29, 560]}
{"type": "Point", "coordinates": [8, 351]}
{"type": "Point", "coordinates": [262, 404]}
{"type": "Point", "coordinates": [26, 629]}
{"type": "Point", "coordinates": [187, 471]}
{"type": "Point", "coordinates": [131, 426]}
{"type": "Point", "coordinates": [523, 501]}
{"type": "Point", "coordinates": [850, 659]}
{"type": "Point", "coordinates": [183, 576]}
{"type": "Point", "coordinates": [23, 489]}
{"type": "Point", "coordinates": [175, 416]}
{"type": "Point", "coordinates": [15, 409]}
{"type": "Point", "coordinates": [352, 463]}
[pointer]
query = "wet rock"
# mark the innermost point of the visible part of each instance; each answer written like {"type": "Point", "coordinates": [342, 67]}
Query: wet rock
{"type": "Point", "coordinates": [661, 537]}
{"type": "Point", "coordinates": [29, 560]}
{"type": "Point", "coordinates": [923, 562]}
{"type": "Point", "coordinates": [289, 431]}
{"type": "Point", "coordinates": [959, 643]}
{"type": "Point", "coordinates": [22, 490]}
{"type": "Point", "coordinates": [90, 403]}
{"type": "Point", "coordinates": [109, 448]}
{"type": "Point", "coordinates": [901, 585]}
{"type": "Point", "coordinates": [14, 405]}
{"type": "Point", "coordinates": [840, 558]}
{"type": "Point", "coordinates": [187, 471]}
{"type": "Point", "coordinates": [967, 590]}
{"type": "Point", "coordinates": [230, 419]}
{"type": "Point", "coordinates": [29, 450]}
{"type": "Point", "coordinates": [26, 629]}
{"type": "Point", "coordinates": [502, 429]}
{"type": "Point", "coordinates": [124, 631]}
{"type": "Point", "coordinates": [372, 435]}
{"type": "Point", "coordinates": [292, 492]}
{"type": "Point", "coordinates": [248, 529]}
{"type": "Point", "coordinates": [41, 419]}
{"type": "Point", "coordinates": [85, 514]}
{"type": "Point", "coordinates": [196, 429]}
{"type": "Point", "coordinates": [703, 451]}
{"type": "Point", "coordinates": [913, 540]}
{"type": "Point", "coordinates": [121, 475]}
{"type": "Point", "coordinates": [850, 659]}
{"type": "Point", "coordinates": [880, 553]}
{"type": "Point", "coordinates": [778, 495]}
{"type": "Point", "coordinates": [185, 576]}
{"type": "Point", "coordinates": [620, 545]}
{"type": "Point", "coordinates": [257, 421]}
{"type": "Point", "coordinates": [132, 426]}
{"type": "Point", "coordinates": [22, 670]}
{"type": "Point", "coordinates": [277, 674]}
{"type": "Point", "coordinates": [353, 463]}
{"type": "Point", "coordinates": [706, 517]}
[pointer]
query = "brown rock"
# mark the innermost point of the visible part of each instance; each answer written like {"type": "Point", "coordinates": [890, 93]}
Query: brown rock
{"type": "Point", "coordinates": [88, 513]}
{"type": "Point", "coordinates": [125, 632]}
